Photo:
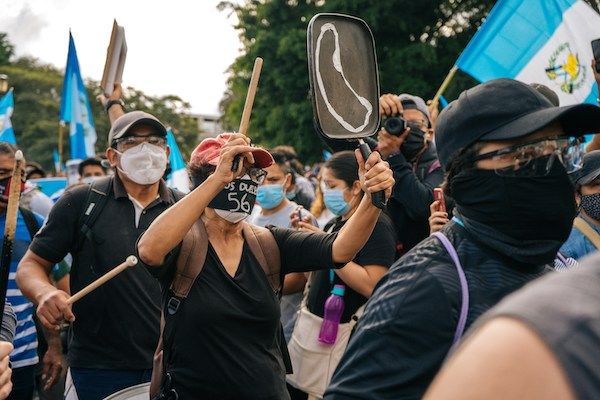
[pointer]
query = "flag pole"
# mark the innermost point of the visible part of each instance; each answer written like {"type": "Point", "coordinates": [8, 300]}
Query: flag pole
{"type": "Point", "coordinates": [61, 132]}
{"type": "Point", "coordinates": [444, 86]}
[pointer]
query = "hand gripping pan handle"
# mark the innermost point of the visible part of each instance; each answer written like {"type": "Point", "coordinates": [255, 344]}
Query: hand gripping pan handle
{"type": "Point", "coordinates": [344, 81]}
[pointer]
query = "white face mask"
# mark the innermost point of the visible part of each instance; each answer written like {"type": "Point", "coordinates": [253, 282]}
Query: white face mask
{"type": "Point", "coordinates": [144, 164]}
{"type": "Point", "coordinates": [231, 216]}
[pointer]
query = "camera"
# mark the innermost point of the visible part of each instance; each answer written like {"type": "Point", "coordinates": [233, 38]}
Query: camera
{"type": "Point", "coordinates": [394, 125]}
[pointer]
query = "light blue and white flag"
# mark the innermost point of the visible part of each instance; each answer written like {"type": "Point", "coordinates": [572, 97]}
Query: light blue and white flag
{"type": "Point", "coordinates": [178, 178]}
{"type": "Point", "coordinates": [7, 105]}
{"type": "Point", "coordinates": [542, 41]}
{"type": "Point", "coordinates": [75, 108]}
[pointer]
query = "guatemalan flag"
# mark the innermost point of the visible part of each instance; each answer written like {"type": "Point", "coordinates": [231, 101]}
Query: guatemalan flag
{"type": "Point", "coordinates": [541, 41]}
{"type": "Point", "coordinates": [178, 178]}
{"type": "Point", "coordinates": [7, 105]}
{"type": "Point", "coordinates": [75, 108]}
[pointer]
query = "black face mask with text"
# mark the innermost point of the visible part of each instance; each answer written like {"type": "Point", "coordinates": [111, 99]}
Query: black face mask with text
{"type": "Point", "coordinates": [236, 201]}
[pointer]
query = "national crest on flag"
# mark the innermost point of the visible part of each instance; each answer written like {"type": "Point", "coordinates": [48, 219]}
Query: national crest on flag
{"type": "Point", "coordinates": [537, 41]}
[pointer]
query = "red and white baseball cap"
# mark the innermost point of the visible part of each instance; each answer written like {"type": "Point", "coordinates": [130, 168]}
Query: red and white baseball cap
{"type": "Point", "coordinates": [208, 151]}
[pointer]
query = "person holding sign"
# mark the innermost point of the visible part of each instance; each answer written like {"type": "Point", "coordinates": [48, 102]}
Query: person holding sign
{"type": "Point", "coordinates": [222, 339]}
{"type": "Point", "coordinates": [116, 327]}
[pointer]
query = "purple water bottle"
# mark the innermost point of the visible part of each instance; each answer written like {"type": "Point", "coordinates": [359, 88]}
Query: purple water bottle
{"type": "Point", "coordinates": [334, 307]}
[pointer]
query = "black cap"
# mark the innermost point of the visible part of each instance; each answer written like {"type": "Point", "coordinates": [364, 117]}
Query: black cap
{"type": "Point", "coordinates": [133, 119]}
{"type": "Point", "coordinates": [547, 93]}
{"type": "Point", "coordinates": [590, 169]}
{"type": "Point", "coordinates": [504, 109]}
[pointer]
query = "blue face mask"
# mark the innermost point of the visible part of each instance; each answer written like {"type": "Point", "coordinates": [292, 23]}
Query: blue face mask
{"type": "Point", "coordinates": [334, 201]}
{"type": "Point", "coordinates": [270, 196]}
{"type": "Point", "coordinates": [290, 195]}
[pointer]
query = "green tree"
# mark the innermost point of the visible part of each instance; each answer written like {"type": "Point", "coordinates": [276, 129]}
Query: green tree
{"type": "Point", "coordinates": [417, 42]}
{"type": "Point", "coordinates": [37, 91]}
{"type": "Point", "coordinates": [7, 50]}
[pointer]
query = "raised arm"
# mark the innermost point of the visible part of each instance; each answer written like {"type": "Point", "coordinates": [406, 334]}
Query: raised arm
{"type": "Point", "coordinates": [375, 175]}
{"type": "Point", "coordinates": [115, 111]}
{"type": "Point", "coordinates": [169, 229]}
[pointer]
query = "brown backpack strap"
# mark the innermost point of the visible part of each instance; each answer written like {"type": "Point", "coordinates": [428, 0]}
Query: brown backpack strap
{"type": "Point", "coordinates": [157, 363]}
{"type": "Point", "coordinates": [265, 249]}
{"type": "Point", "coordinates": [587, 231]}
{"type": "Point", "coordinates": [188, 266]}
{"type": "Point", "coordinates": [191, 259]}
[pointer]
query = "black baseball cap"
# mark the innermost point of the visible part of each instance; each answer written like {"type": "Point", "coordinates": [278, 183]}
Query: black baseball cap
{"type": "Point", "coordinates": [127, 122]}
{"type": "Point", "coordinates": [590, 170]}
{"type": "Point", "coordinates": [505, 109]}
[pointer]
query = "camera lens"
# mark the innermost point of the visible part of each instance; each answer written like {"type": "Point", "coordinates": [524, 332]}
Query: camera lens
{"type": "Point", "coordinates": [394, 126]}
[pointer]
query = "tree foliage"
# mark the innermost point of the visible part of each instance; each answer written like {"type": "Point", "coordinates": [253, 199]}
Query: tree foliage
{"type": "Point", "coordinates": [37, 91]}
{"type": "Point", "coordinates": [6, 49]}
{"type": "Point", "coordinates": [417, 42]}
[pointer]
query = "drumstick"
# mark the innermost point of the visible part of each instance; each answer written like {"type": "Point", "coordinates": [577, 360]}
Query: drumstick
{"type": "Point", "coordinates": [12, 209]}
{"type": "Point", "coordinates": [248, 105]}
{"type": "Point", "coordinates": [130, 262]}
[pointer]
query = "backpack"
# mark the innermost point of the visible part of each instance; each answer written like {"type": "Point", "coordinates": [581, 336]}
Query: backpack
{"type": "Point", "coordinates": [97, 196]}
{"type": "Point", "coordinates": [189, 265]}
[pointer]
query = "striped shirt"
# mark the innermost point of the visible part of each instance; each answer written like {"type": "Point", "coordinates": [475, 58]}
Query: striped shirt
{"type": "Point", "coordinates": [25, 342]}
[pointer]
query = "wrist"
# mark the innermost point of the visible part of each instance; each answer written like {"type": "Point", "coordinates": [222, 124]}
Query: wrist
{"type": "Point", "coordinates": [215, 182]}
{"type": "Point", "coordinates": [44, 292]}
{"type": "Point", "coordinates": [113, 102]}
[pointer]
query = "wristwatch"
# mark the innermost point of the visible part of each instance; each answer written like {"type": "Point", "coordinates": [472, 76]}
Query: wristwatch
{"type": "Point", "coordinates": [111, 103]}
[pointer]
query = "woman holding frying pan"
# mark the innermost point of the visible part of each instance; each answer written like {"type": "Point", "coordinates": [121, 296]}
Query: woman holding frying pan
{"type": "Point", "coordinates": [223, 341]}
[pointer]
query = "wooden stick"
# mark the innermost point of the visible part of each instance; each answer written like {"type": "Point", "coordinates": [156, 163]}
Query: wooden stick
{"type": "Point", "coordinates": [248, 105]}
{"type": "Point", "coordinates": [10, 226]}
{"type": "Point", "coordinates": [444, 86]}
{"type": "Point", "coordinates": [250, 96]}
{"type": "Point", "coordinates": [130, 262]}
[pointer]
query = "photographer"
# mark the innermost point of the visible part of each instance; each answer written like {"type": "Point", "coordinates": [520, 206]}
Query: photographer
{"type": "Point", "coordinates": [405, 143]}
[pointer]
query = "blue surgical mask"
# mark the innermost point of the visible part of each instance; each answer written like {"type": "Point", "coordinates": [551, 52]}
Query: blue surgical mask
{"type": "Point", "coordinates": [334, 201]}
{"type": "Point", "coordinates": [270, 196]}
{"type": "Point", "coordinates": [290, 195]}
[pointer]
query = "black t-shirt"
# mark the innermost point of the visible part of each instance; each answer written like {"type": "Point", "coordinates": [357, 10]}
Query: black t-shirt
{"type": "Point", "coordinates": [563, 308]}
{"type": "Point", "coordinates": [116, 325]}
{"type": "Point", "coordinates": [222, 343]}
{"type": "Point", "coordinates": [380, 249]}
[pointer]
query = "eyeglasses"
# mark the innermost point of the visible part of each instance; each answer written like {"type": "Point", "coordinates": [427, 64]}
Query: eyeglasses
{"type": "Point", "coordinates": [257, 175]}
{"type": "Point", "coordinates": [536, 158]}
{"type": "Point", "coordinates": [132, 141]}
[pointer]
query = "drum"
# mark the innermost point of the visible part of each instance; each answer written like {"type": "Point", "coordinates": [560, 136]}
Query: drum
{"type": "Point", "coordinates": [137, 392]}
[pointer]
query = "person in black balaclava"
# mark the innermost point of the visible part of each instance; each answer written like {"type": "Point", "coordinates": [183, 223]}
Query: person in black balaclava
{"type": "Point", "coordinates": [506, 151]}
{"type": "Point", "coordinates": [413, 159]}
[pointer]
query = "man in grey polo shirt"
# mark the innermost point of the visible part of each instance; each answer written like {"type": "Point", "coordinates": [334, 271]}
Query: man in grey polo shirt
{"type": "Point", "coordinates": [116, 327]}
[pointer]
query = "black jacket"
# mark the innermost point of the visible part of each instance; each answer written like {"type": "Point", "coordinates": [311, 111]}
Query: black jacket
{"type": "Point", "coordinates": [408, 207]}
{"type": "Point", "coordinates": [409, 323]}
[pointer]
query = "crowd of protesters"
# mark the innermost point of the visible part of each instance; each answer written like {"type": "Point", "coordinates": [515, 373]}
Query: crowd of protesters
{"type": "Point", "coordinates": [233, 283]}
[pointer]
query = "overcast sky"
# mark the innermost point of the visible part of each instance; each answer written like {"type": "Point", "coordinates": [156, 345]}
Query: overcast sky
{"type": "Point", "coordinates": [180, 47]}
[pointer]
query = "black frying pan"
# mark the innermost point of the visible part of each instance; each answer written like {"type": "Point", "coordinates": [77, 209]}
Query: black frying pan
{"type": "Point", "coordinates": [344, 81]}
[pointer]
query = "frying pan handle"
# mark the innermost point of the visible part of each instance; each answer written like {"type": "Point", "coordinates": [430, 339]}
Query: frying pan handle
{"type": "Point", "coordinates": [236, 163]}
{"type": "Point", "coordinates": [378, 198]}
